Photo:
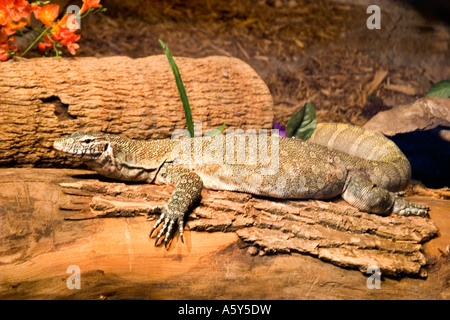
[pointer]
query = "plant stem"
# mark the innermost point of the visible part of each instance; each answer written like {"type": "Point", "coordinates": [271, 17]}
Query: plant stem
{"type": "Point", "coordinates": [36, 40]}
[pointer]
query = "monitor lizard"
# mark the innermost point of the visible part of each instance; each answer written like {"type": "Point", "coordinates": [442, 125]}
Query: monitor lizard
{"type": "Point", "coordinates": [365, 168]}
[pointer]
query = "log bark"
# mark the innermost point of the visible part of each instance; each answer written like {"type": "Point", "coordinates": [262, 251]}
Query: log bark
{"type": "Point", "coordinates": [43, 99]}
{"type": "Point", "coordinates": [332, 232]}
{"type": "Point", "coordinates": [51, 219]}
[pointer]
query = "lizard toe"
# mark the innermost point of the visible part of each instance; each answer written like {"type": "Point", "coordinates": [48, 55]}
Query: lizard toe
{"type": "Point", "coordinates": [157, 223]}
{"type": "Point", "coordinates": [406, 208]}
{"type": "Point", "coordinates": [167, 237]}
{"type": "Point", "coordinates": [180, 229]}
{"type": "Point", "coordinates": [168, 218]}
{"type": "Point", "coordinates": [163, 229]}
{"type": "Point", "coordinates": [153, 210]}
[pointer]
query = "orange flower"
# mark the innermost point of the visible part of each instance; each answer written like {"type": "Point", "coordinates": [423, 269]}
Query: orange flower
{"type": "Point", "coordinates": [69, 21]}
{"type": "Point", "coordinates": [63, 32]}
{"type": "Point", "coordinates": [71, 46]}
{"type": "Point", "coordinates": [45, 45]}
{"type": "Point", "coordinates": [88, 4]}
{"type": "Point", "coordinates": [47, 13]}
{"type": "Point", "coordinates": [67, 38]}
{"type": "Point", "coordinates": [5, 45]}
{"type": "Point", "coordinates": [17, 9]}
{"type": "Point", "coordinates": [15, 14]}
{"type": "Point", "coordinates": [4, 15]}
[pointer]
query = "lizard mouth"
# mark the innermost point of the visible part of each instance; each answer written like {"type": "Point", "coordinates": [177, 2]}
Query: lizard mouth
{"type": "Point", "coordinates": [84, 156]}
{"type": "Point", "coordinates": [82, 153]}
{"type": "Point", "coordinates": [57, 146]}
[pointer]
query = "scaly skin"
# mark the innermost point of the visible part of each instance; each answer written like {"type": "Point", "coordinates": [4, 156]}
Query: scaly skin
{"type": "Point", "coordinates": [365, 168]}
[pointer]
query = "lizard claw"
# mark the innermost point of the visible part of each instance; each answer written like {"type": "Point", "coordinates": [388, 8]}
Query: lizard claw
{"type": "Point", "coordinates": [169, 218]}
{"type": "Point", "coordinates": [158, 222]}
{"type": "Point", "coordinates": [180, 229]}
{"type": "Point", "coordinates": [167, 236]}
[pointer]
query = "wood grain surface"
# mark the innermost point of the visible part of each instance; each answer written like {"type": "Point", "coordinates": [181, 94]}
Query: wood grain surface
{"type": "Point", "coordinates": [46, 227]}
{"type": "Point", "coordinates": [43, 99]}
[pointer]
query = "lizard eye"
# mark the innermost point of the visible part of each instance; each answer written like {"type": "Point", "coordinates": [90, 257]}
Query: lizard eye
{"type": "Point", "coordinates": [87, 141]}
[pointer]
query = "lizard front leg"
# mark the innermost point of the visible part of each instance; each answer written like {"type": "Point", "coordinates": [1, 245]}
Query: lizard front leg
{"type": "Point", "coordinates": [188, 187]}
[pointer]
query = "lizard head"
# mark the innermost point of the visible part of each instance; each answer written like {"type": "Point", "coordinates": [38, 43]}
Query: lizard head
{"type": "Point", "coordinates": [87, 145]}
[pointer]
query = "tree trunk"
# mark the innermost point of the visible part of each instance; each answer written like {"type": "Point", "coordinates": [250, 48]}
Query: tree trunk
{"type": "Point", "coordinates": [43, 99]}
{"type": "Point", "coordinates": [48, 223]}
{"type": "Point", "coordinates": [336, 233]}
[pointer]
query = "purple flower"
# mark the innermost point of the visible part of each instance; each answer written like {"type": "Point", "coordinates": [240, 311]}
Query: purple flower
{"type": "Point", "coordinates": [281, 129]}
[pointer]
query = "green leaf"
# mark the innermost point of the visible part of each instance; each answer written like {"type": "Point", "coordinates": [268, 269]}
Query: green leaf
{"type": "Point", "coordinates": [181, 90]}
{"type": "Point", "coordinates": [303, 123]}
{"type": "Point", "coordinates": [440, 89]}
{"type": "Point", "coordinates": [217, 131]}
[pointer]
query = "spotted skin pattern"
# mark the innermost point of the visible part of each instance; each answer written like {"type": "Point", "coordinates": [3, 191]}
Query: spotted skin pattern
{"type": "Point", "coordinates": [364, 168]}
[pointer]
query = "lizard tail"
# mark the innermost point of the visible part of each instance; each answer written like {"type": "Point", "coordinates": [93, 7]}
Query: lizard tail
{"type": "Point", "coordinates": [387, 165]}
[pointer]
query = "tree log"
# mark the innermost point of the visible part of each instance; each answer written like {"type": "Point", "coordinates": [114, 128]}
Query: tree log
{"type": "Point", "coordinates": [43, 99]}
{"type": "Point", "coordinates": [332, 232]}
{"type": "Point", "coordinates": [51, 219]}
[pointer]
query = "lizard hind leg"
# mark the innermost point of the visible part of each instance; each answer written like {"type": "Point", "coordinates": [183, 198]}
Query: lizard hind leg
{"type": "Point", "coordinates": [361, 193]}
